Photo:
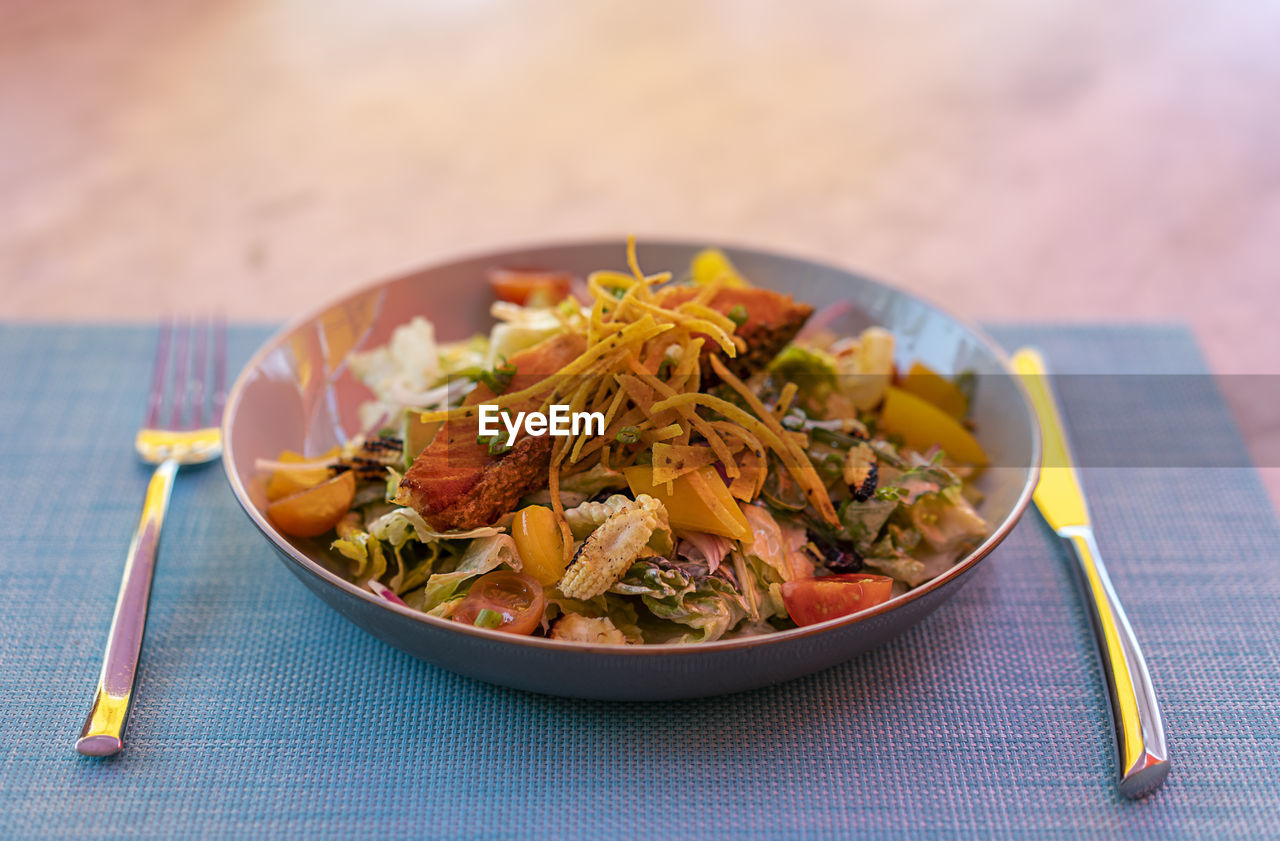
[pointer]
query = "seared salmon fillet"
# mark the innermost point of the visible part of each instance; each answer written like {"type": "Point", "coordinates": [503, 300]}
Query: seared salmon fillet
{"type": "Point", "coordinates": [773, 319]}
{"type": "Point", "coordinates": [455, 483]}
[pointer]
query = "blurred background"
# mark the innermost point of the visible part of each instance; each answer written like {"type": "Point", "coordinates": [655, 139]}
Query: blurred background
{"type": "Point", "coordinates": [1062, 160]}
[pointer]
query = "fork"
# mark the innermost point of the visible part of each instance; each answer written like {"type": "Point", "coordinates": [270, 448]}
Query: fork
{"type": "Point", "coordinates": [191, 435]}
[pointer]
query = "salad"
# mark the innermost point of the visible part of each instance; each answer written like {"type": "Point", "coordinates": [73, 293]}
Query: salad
{"type": "Point", "coordinates": [740, 467]}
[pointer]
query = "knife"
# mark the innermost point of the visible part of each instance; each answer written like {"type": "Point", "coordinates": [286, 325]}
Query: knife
{"type": "Point", "coordinates": [1143, 755]}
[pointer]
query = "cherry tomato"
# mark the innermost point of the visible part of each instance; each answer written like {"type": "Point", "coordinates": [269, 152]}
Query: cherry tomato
{"type": "Point", "coordinates": [286, 482]}
{"type": "Point", "coordinates": [816, 600]}
{"type": "Point", "coordinates": [313, 511]}
{"type": "Point", "coordinates": [514, 601]}
{"type": "Point", "coordinates": [532, 287]}
{"type": "Point", "coordinates": [540, 544]}
{"type": "Point", "coordinates": [878, 587]}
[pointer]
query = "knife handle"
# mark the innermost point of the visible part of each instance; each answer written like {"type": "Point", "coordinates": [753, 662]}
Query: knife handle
{"type": "Point", "coordinates": [1143, 756]}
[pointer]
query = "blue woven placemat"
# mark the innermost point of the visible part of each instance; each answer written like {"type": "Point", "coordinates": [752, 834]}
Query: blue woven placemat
{"type": "Point", "coordinates": [261, 712]}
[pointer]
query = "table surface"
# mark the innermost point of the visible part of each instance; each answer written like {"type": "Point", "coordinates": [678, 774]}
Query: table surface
{"type": "Point", "coordinates": [260, 712]}
{"type": "Point", "coordinates": [1014, 161]}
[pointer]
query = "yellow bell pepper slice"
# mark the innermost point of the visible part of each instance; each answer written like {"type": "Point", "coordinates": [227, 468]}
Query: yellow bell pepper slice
{"type": "Point", "coordinates": [696, 501]}
{"type": "Point", "coordinates": [922, 425]}
{"type": "Point", "coordinates": [923, 381]}
{"type": "Point", "coordinates": [712, 264]}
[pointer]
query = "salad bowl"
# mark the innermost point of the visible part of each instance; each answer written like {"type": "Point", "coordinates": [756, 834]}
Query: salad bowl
{"type": "Point", "coordinates": [297, 393]}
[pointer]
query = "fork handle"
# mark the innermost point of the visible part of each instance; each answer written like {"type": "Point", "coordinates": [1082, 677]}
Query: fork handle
{"type": "Point", "coordinates": [1143, 755]}
{"type": "Point", "coordinates": [103, 731]}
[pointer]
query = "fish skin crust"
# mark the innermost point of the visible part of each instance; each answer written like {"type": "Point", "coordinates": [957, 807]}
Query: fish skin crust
{"type": "Point", "coordinates": [486, 493]}
{"type": "Point", "coordinates": [456, 484]}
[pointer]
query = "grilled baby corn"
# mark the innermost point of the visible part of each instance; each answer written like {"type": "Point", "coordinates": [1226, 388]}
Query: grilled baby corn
{"type": "Point", "coordinates": [611, 548]}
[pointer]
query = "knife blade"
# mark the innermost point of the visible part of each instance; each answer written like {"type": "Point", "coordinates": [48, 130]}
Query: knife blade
{"type": "Point", "coordinates": [1141, 750]}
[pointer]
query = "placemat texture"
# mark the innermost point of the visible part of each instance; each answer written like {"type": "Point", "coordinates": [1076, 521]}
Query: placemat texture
{"type": "Point", "coordinates": [260, 712]}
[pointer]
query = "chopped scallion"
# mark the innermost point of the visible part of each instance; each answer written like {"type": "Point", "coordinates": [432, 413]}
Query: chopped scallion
{"type": "Point", "coordinates": [487, 618]}
{"type": "Point", "coordinates": [499, 378]}
{"type": "Point", "coordinates": [497, 444]}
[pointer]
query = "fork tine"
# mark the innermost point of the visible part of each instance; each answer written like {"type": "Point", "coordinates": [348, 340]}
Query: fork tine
{"type": "Point", "coordinates": [199, 370]}
{"type": "Point", "coordinates": [219, 366]}
{"type": "Point", "coordinates": [155, 400]}
{"type": "Point", "coordinates": [182, 334]}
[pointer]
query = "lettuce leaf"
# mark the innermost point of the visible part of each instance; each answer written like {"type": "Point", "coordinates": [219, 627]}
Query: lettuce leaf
{"type": "Point", "coordinates": [365, 553]}
{"type": "Point", "coordinates": [865, 520]}
{"type": "Point", "coordinates": [400, 566]}
{"type": "Point", "coordinates": [580, 487]}
{"type": "Point", "coordinates": [485, 554]}
{"type": "Point", "coordinates": [413, 564]}
{"type": "Point", "coordinates": [814, 371]}
{"type": "Point", "coordinates": [618, 610]}
{"type": "Point", "coordinates": [888, 559]}
{"type": "Point", "coordinates": [947, 521]}
{"type": "Point", "coordinates": [761, 586]}
{"type": "Point", "coordinates": [403, 524]}
{"type": "Point", "coordinates": [709, 605]}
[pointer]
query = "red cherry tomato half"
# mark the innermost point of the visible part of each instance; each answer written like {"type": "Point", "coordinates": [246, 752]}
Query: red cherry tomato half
{"type": "Point", "coordinates": [878, 587]}
{"type": "Point", "coordinates": [816, 600]}
{"type": "Point", "coordinates": [516, 598]}
{"type": "Point", "coordinates": [532, 287]}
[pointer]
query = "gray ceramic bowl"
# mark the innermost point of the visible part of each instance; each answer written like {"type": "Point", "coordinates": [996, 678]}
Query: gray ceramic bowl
{"type": "Point", "coordinates": [296, 393]}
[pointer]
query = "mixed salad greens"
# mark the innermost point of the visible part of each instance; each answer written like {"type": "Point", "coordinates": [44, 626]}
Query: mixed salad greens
{"type": "Point", "coordinates": [757, 471]}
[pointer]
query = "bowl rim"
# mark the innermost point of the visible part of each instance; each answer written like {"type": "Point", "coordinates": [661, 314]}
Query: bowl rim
{"type": "Point", "coordinates": [302, 562]}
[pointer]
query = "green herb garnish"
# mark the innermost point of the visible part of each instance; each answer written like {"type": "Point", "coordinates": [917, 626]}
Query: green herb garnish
{"type": "Point", "coordinates": [499, 378]}
{"type": "Point", "coordinates": [496, 443]}
{"type": "Point", "coordinates": [627, 435]}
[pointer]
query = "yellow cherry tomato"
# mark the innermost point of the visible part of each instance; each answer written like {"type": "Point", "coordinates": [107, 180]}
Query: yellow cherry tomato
{"type": "Point", "coordinates": [540, 544]}
{"type": "Point", "coordinates": [289, 481]}
{"type": "Point", "coordinates": [314, 511]}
